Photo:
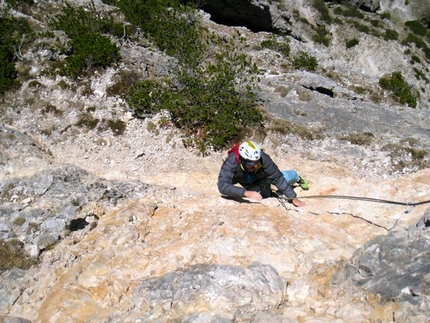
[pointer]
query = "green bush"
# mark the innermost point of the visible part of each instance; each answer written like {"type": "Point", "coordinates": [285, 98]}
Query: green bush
{"type": "Point", "coordinates": [12, 31]}
{"type": "Point", "coordinates": [13, 256]}
{"type": "Point", "coordinates": [305, 61]}
{"type": "Point", "coordinates": [88, 51]}
{"type": "Point", "coordinates": [419, 42]}
{"type": "Point", "coordinates": [416, 27]}
{"type": "Point", "coordinates": [349, 11]}
{"type": "Point", "coordinates": [89, 47]}
{"type": "Point", "coordinates": [352, 42]}
{"type": "Point", "coordinates": [400, 89]}
{"type": "Point", "coordinates": [7, 69]}
{"type": "Point", "coordinates": [206, 106]}
{"type": "Point", "coordinates": [281, 47]}
{"type": "Point", "coordinates": [386, 15]}
{"type": "Point", "coordinates": [391, 34]}
{"type": "Point", "coordinates": [209, 95]}
{"type": "Point", "coordinates": [172, 26]}
{"type": "Point", "coordinates": [415, 59]}
{"type": "Point", "coordinates": [321, 6]}
{"type": "Point", "coordinates": [322, 35]}
{"type": "Point", "coordinates": [76, 21]}
{"type": "Point", "coordinates": [377, 23]}
{"type": "Point", "coordinates": [359, 26]}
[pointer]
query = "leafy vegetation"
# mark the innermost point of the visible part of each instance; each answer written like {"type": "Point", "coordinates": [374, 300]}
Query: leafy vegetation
{"type": "Point", "coordinates": [391, 35]}
{"type": "Point", "coordinates": [416, 27]}
{"type": "Point", "coordinates": [362, 138]}
{"type": "Point", "coordinates": [305, 61]}
{"type": "Point", "coordinates": [322, 35]}
{"type": "Point", "coordinates": [349, 11]}
{"type": "Point", "coordinates": [171, 25]}
{"type": "Point", "coordinates": [206, 97]}
{"type": "Point", "coordinates": [352, 42]}
{"type": "Point", "coordinates": [89, 49]}
{"type": "Point", "coordinates": [206, 106]}
{"type": "Point", "coordinates": [78, 21]}
{"type": "Point", "coordinates": [12, 32]}
{"type": "Point", "coordinates": [400, 89]}
{"type": "Point", "coordinates": [419, 43]}
{"type": "Point", "coordinates": [406, 156]}
{"type": "Point", "coordinates": [322, 8]}
{"type": "Point", "coordinates": [282, 47]}
{"type": "Point", "coordinates": [13, 255]}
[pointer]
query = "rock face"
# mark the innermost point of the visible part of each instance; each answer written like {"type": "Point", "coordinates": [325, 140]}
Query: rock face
{"type": "Point", "coordinates": [131, 228]}
{"type": "Point", "coordinates": [255, 15]}
{"type": "Point", "coordinates": [369, 5]}
{"type": "Point", "coordinates": [221, 291]}
{"type": "Point", "coordinates": [179, 251]}
{"type": "Point", "coordinates": [263, 15]}
{"type": "Point", "coordinates": [396, 266]}
{"type": "Point", "coordinates": [406, 11]}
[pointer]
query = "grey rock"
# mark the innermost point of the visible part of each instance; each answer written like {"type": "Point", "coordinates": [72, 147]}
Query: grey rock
{"type": "Point", "coordinates": [13, 319]}
{"type": "Point", "coordinates": [202, 318]}
{"type": "Point", "coordinates": [53, 199]}
{"type": "Point", "coordinates": [368, 5]}
{"type": "Point", "coordinates": [335, 112]}
{"type": "Point", "coordinates": [11, 284]}
{"type": "Point", "coordinates": [395, 266]}
{"type": "Point", "coordinates": [256, 15]}
{"type": "Point", "coordinates": [226, 291]}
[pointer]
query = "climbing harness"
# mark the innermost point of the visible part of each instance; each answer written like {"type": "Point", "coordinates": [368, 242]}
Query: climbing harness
{"type": "Point", "coordinates": [282, 199]}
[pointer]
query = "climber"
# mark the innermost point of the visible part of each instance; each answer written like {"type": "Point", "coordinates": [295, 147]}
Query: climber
{"type": "Point", "coordinates": [247, 165]}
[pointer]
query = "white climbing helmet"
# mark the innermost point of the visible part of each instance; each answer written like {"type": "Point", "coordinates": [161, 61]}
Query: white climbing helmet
{"type": "Point", "coordinates": [249, 150]}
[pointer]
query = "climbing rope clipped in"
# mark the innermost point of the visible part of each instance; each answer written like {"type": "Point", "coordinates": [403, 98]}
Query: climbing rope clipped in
{"type": "Point", "coordinates": [282, 199]}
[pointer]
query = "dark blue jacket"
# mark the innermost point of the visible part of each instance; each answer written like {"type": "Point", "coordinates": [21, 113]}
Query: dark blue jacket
{"type": "Point", "coordinates": [231, 173]}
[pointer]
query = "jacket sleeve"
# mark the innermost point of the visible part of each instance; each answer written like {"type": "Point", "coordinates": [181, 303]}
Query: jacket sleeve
{"type": "Point", "coordinates": [276, 178]}
{"type": "Point", "coordinates": [225, 178]}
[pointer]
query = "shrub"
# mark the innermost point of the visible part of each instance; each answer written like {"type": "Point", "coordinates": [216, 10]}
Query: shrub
{"type": "Point", "coordinates": [13, 29]}
{"type": "Point", "coordinates": [305, 61]}
{"type": "Point", "coordinates": [416, 27]}
{"type": "Point", "coordinates": [386, 15]}
{"type": "Point", "coordinates": [13, 255]}
{"type": "Point", "coordinates": [376, 23]}
{"type": "Point", "coordinates": [323, 10]}
{"type": "Point", "coordinates": [401, 90]}
{"type": "Point", "coordinates": [359, 26]}
{"type": "Point", "coordinates": [89, 48]}
{"type": "Point", "coordinates": [173, 27]}
{"type": "Point", "coordinates": [352, 42]}
{"type": "Point", "coordinates": [391, 34]}
{"type": "Point", "coordinates": [76, 21]}
{"type": "Point", "coordinates": [7, 69]}
{"type": "Point", "coordinates": [419, 42]}
{"type": "Point", "coordinates": [117, 126]}
{"type": "Point", "coordinates": [322, 35]}
{"type": "Point", "coordinates": [207, 107]}
{"type": "Point", "coordinates": [209, 95]}
{"type": "Point", "coordinates": [281, 47]}
{"type": "Point", "coordinates": [407, 156]}
{"type": "Point", "coordinates": [88, 121]}
{"type": "Point", "coordinates": [415, 59]}
{"type": "Point", "coordinates": [362, 139]}
{"type": "Point", "coordinates": [349, 11]}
